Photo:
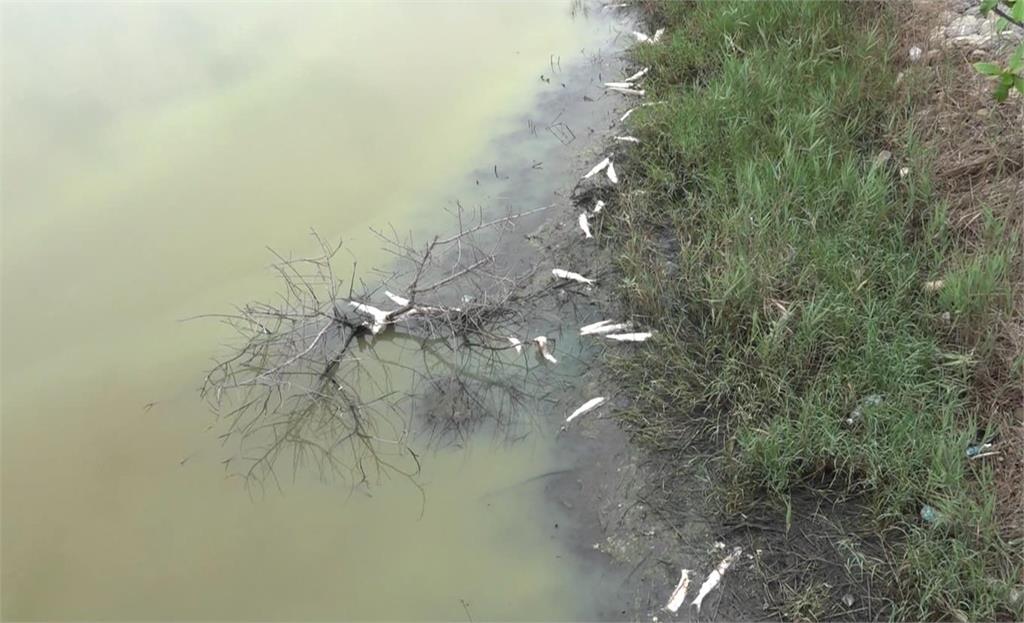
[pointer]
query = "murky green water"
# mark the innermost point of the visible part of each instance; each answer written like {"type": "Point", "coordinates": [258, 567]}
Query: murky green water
{"type": "Point", "coordinates": [150, 152]}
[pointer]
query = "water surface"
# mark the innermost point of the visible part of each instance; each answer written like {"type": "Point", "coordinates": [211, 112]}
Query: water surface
{"type": "Point", "coordinates": [149, 153]}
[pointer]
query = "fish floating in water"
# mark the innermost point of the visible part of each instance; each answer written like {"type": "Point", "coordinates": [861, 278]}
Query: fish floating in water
{"type": "Point", "coordinates": [628, 91]}
{"type": "Point", "coordinates": [629, 112]}
{"type": "Point", "coordinates": [630, 337]}
{"type": "Point", "coordinates": [716, 576]}
{"type": "Point", "coordinates": [598, 207]}
{"type": "Point", "coordinates": [610, 171]}
{"type": "Point", "coordinates": [380, 317]}
{"type": "Point", "coordinates": [585, 225]}
{"type": "Point", "coordinates": [589, 405]}
{"type": "Point", "coordinates": [600, 166]}
{"type": "Point", "coordinates": [605, 326]}
{"type": "Point", "coordinates": [399, 300]}
{"type": "Point", "coordinates": [542, 347]}
{"type": "Point", "coordinates": [638, 75]}
{"type": "Point", "coordinates": [675, 601]}
{"type": "Point", "coordinates": [643, 38]}
{"type": "Point", "coordinates": [571, 276]}
{"type": "Point", "coordinates": [516, 343]}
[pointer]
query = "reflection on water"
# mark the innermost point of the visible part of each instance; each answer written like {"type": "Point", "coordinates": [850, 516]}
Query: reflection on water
{"type": "Point", "coordinates": [150, 151]}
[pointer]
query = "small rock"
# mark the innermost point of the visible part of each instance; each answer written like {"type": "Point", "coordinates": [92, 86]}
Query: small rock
{"type": "Point", "coordinates": [963, 26]}
{"type": "Point", "coordinates": [929, 514]}
{"type": "Point", "coordinates": [915, 54]}
{"type": "Point", "coordinates": [904, 171]}
{"type": "Point", "coordinates": [848, 600]}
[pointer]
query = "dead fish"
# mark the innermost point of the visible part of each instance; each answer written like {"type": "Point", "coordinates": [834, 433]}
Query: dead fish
{"type": "Point", "coordinates": [630, 111]}
{"type": "Point", "coordinates": [380, 317]}
{"type": "Point", "coordinates": [571, 276]}
{"type": "Point", "coordinates": [598, 207]}
{"type": "Point", "coordinates": [716, 576]}
{"type": "Point", "coordinates": [638, 75]}
{"type": "Point", "coordinates": [608, 328]}
{"type": "Point", "coordinates": [675, 601]}
{"type": "Point", "coordinates": [642, 38]}
{"type": "Point", "coordinates": [619, 85]}
{"type": "Point", "coordinates": [630, 337]}
{"type": "Point", "coordinates": [585, 225]}
{"type": "Point", "coordinates": [399, 300]}
{"type": "Point", "coordinates": [594, 325]}
{"type": "Point", "coordinates": [610, 171]}
{"type": "Point", "coordinates": [542, 346]}
{"type": "Point", "coordinates": [600, 166]}
{"type": "Point", "coordinates": [627, 139]}
{"type": "Point", "coordinates": [516, 343]}
{"type": "Point", "coordinates": [628, 91]}
{"type": "Point", "coordinates": [593, 403]}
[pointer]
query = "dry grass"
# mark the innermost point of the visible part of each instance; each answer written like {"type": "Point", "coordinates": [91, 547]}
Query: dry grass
{"type": "Point", "coordinates": [978, 149]}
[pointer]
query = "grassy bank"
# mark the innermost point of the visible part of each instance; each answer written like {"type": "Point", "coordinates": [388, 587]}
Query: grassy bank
{"type": "Point", "coordinates": [824, 321]}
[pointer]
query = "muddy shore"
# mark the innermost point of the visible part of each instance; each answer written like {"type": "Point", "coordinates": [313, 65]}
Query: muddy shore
{"type": "Point", "coordinates": [600, 493]}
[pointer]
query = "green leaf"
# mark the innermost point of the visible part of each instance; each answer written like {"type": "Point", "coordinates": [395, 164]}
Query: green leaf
{"type": "Point", "coordinates": [1001, 24]}
{"type": "Point", "coordinates": [1018, 11]}
{"type": "Point", "coordinates": [988, 5]}
{"type": "Point", "coordinates": [1017, 59]}
{"type": "Point", "coordinates": [1018, 83]}
{"type": "Point", "coordinates": [988, 69]}
{"type": "Point", "coordinates": [1006, 79]}
{"type": "Point", "coordinates": [1002, 92]}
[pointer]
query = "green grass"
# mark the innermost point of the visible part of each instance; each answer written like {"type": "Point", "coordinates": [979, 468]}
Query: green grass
{"type": "Point", "coordinates": [784, 269]}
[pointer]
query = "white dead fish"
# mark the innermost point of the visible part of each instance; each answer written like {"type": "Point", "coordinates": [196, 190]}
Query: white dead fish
{"type": "Point", "coordinates": [608, 328]}
{"type": "Point", "coordinates": [594, 325]}
{"type": "Point", "coordinates": [598, 207]}
{"type": "Point", "coordinates": [904, 171]}
{"type": "Point", "coordinates": [630, 337]}
{"type": "Point", "coordinates": [716, 576]}
{"type": "Point", "coordinates": [542, 346]}
{"type": "Point", "coordinates": [657, 35]}
{"type": "Point", "coordinates": [629, 112]}
{"type": "Point", "coordinates": [380, 317]}
{"type": "Point", "coordinates": [571, 276]}
{"type": "Point", "coordinates": [619, 85]}
{"type": "Point", "coordinates": [628, 91]}
{"type": "Point", "coordinates": [675, 601]}
{"type": "Point", "coordinates": [600, 166]}
{"type": "Point", "coordinates": [516, 343]}
{"type": "Point", "coordinates": [585, 225]}
{"type": "Point", "coordinates": [627, 139]}
{"type": "Point", "coordinates": [641, 37]}
{"type": "Point", "coordinates": [638, 75]}
{"type": "Point", "coordinates": [610, 172]}
{"type": "Point", "coordinates": [399, 300]}
{"type": "Point", "coordinates": [593, 403]}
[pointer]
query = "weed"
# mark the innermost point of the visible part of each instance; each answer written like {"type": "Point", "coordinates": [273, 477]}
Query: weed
{"type": "Point", "coordinates": [787, 270]}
